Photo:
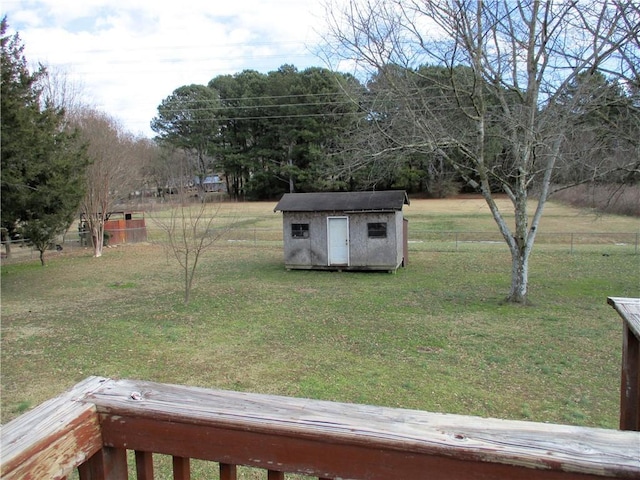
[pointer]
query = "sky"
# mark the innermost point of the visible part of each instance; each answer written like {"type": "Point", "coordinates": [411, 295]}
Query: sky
{"type": "Point", "coordinates": [126, 56]}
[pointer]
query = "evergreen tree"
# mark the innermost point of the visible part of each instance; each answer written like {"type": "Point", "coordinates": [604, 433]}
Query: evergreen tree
{"type": "Point", "coordinates": [42, 163]}
{"type": "Point", "coordinates": [242, 127]}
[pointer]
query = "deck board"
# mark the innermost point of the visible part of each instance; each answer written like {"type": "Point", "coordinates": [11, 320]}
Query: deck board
{"type": "Point", "coordinates": [629, 310]}
{"type": "Point", "coordinates": [540, 446]}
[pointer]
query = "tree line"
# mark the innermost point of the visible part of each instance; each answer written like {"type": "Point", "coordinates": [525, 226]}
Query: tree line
{"type": "Point", "coordinates": [318, 130]}
{"type": "Point", "coordinates": [266, 133]}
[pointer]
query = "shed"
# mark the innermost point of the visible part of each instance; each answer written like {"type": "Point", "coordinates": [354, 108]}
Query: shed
{"type": "Point", "coordinates": [344, 230]}
{"type": "Point", "coordinates": [125, 227]}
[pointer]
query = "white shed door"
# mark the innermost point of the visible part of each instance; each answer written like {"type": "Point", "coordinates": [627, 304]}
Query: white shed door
{"type": "Point", "coordinates": [338, 235]}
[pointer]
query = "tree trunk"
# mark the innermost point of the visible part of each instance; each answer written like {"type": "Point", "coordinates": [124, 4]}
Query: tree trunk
{"type": "Point", "coordinates": [290, 163]}
{"type": "Point", "coordinates": [97, 238]}
{"type": "Point", "coordinates": [519, 276]}
{"type": "Point", "coordinates": [520, 240]}
{"type": "Point", "coordinates": [520, 246]}
{"type": "Point", "coordinates": [187, 286]}
{"type": "Point", "coordinates": [187, 279]}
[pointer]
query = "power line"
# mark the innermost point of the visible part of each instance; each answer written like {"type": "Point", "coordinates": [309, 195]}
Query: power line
{"type": "Point", "coordinates": [279, 45]}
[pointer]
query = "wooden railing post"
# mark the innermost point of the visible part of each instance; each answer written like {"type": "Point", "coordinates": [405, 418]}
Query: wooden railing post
{"type": "Point", "coordinates": [181, 468]}
{"type": "Point", "coordinates": [107, 464]}
{"type": "Point", "coordinates": [630, 381]}
{"type": "Point", "coordinates": [228, 472]}
{"type": "Point", "coordinates": [629, 310]}
{"type": "Point", "coordinates": [144, 465]}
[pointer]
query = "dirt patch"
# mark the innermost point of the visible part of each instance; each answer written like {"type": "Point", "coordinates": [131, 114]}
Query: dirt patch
{"type": "Point", "coordinates": [23, 332]}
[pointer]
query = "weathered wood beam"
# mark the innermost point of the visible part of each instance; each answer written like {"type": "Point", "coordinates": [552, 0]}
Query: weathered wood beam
{"type": "Point", "coordinates": [329, 440]}
{"type": "Point", "coordinates": [53, 438]}
{"type": "Point", "coordinates": [629, 310]}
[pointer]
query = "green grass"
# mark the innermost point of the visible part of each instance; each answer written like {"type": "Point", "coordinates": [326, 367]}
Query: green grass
{"type": "Point", "coordinates": [435, 336]}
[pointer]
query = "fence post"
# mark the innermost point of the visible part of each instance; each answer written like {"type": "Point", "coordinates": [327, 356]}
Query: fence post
{"type": "Point", "coordinates": [571, 248]}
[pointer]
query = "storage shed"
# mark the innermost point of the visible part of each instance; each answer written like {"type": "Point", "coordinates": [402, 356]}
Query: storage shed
{"type": "Point", "coordinates": [344, 230]}
{"type": "Point", "coordinates": [125, 227]}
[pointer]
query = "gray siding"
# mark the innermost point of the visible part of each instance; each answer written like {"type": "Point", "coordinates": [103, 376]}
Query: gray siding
{"type": "Point", "coordinates": [305, 252]}
{"type": "Point", "coordinates": [364, 253]}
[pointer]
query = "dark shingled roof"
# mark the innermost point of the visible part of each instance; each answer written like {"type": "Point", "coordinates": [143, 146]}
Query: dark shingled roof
{"type": "Point", "coordinates": [342, 201]}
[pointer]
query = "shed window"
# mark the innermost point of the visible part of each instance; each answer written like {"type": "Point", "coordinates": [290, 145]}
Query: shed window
{"type": "Point", "coordinates": [300, 230]}
{"type": "Point", "coordinates": [377, 230]}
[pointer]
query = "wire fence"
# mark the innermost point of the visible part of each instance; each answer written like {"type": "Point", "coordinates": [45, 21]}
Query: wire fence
{"type": "Point", "coordinates": [571, 242]}
{"type": "Point", "coordinates": [606, 243]}
{"type": "Point", "coordinates": [459, 241]}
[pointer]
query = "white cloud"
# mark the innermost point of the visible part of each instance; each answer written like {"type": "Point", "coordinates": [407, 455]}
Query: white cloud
{"type": "Point", "coordinates": [130, 54]}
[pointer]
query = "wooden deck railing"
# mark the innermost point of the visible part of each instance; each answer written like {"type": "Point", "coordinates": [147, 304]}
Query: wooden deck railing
{"type": "Point", "coordinates": [629, 310]}
{"type": "Point", "coordinates": [92, 426]}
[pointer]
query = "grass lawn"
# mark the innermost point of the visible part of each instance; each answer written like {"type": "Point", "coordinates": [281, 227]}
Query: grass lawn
{"type": "Point", "coordinates": [435, 336]}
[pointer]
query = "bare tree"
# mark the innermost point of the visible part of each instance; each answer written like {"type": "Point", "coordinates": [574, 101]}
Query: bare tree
{"type": "Point", "coordinates": [112, 175]}
{"type": "Point", "coordinates": [144, 152]}
{"type": "Point", "coordinates": [166, 172]}
{"type": "Point", "coordinates": [61, 89]}
{"type": "Point", "coordinates": [522, 57]}
{"type": "Point", "coordinates": [191, 227]}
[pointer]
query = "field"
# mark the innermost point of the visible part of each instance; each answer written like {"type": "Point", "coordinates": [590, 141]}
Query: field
{"type": "Point", "coordinates": [435, 336]}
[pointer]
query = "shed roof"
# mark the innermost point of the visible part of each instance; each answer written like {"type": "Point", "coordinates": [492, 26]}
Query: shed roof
{"type": "Point", "coordinates": [343, 201]}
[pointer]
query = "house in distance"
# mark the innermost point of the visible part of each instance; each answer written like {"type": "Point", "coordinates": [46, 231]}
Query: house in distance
{"type": "Point", "coordinates": [344, 230]}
